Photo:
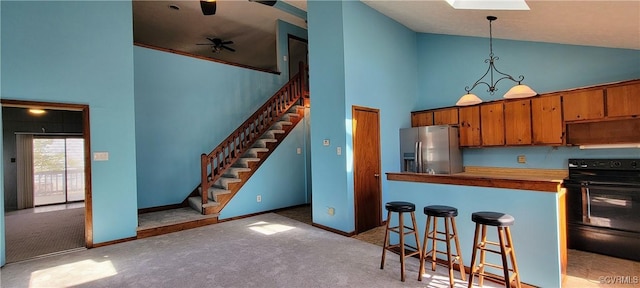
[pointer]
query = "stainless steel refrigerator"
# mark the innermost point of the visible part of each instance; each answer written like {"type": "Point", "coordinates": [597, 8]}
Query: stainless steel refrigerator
{"type": "Point", "coordinates": [430, 149]}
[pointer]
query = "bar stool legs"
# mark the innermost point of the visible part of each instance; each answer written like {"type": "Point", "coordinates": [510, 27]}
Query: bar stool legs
{"type": "Point", "coordinates": [450, 233]}
{"type": "Point", "coordinates": [400, 248]}
{"type": "Point", "coordinates": [501, 222]}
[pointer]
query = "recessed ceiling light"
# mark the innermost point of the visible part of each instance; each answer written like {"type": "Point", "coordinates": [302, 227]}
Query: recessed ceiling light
{"type": "Point", "coordinates": [489, 5]}
{"type": "Point", "coordinates": [174, 7]}
{"type": "Point", "coordinates": [37, 111]}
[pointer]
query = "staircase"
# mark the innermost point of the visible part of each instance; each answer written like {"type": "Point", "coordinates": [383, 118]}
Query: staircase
{"type": "Point", "coordinates": [227, 167]}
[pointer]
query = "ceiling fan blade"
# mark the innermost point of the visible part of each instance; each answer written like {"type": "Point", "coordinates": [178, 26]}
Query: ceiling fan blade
{"type": "Point", "coordinates": [268, 3]}
{"type": "Point", "coordinates": [204, 44]}
{"type": "Point", "coordinates": [208, 7]}
{"type": "Point", "coordinates": [228, 48]}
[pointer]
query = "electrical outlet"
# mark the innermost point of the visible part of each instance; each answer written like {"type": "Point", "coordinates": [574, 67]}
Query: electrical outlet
{"type": "Point", "coordinates": [522, 159]}
{"type": "Point", "coordinates": [331, 211]}
{"type": "Point", "coordinates": [299, 150]}
{"type": "Point", "coordinates": [259, 198]}
{"type": "Point", "coordinates": [326, 142]}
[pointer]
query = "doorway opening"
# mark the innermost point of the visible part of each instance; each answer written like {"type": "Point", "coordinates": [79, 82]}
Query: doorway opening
{"type": "Point", "coordinates": [47, 179]}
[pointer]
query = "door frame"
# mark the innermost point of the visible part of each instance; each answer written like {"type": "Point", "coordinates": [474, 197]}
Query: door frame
{"type": "Point", "coordinates": [354, 108]}
{"type": "Point", "coordinates": [88, 200]}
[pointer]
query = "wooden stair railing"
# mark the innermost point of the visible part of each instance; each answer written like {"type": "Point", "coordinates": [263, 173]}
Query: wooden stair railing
{"type": "Point", "coordinates": [216, 163]}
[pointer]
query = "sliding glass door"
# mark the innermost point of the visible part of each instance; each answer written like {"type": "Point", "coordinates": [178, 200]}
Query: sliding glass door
{"type": "Point", "coordinates": [58, 170]}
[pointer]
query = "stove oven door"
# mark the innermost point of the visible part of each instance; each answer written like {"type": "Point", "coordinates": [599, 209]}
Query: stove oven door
{"type": "Point", "coordinates": [611, 205]}
{"type": "Point", "coordinates": [604, 218]}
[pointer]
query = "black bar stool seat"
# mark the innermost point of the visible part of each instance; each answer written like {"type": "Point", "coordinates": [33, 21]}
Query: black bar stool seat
{"type": "Point", "coordinates": [448, 214]}
{"type": "Point", "coordinates": [502, 222]}
{"type": "Point", "coordinates": [440, 211]}
{"type": "Point", "coordinates": [493, 219]}
{"type": "Point", "coordinates": [400, 206]}
{"type": "Point", "coordinates": [402, 249]}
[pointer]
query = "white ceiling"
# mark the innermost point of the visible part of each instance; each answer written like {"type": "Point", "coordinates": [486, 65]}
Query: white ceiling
{"type": "Point", "coordinates": [613, 24]}
{"type": "Point", "coordinates": [252, 26]}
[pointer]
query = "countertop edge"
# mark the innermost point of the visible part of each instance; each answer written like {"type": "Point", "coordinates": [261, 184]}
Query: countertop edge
{"type": "Point", "coordinates": [491, 181]}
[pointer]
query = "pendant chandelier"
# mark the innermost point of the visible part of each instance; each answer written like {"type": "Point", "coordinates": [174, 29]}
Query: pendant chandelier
{"type": "Point", "coordinates": [517, 91]}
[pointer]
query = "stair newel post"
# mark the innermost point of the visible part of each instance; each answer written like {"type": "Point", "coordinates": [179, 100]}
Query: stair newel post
{"type": "Point", "coordinates": [204, 185]}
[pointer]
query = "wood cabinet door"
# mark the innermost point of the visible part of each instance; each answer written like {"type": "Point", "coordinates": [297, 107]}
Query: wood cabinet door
{"type": "Point", "coordinates": [583, 105]}
{"type": "Point", "coordinates": [445, 116]}
{"type": "Point", "coordinates": [517, 122]}
{"type": "Point", "coordinates": [623, 100]}
{"type": "Point", "coordinates": [546, 120]}
{"type": "Point", "coordinates": [421, 119]}
{"type": "Point", "coordinates": [492, 122]}
{"type": "Point", "coordinates": [469, 118]}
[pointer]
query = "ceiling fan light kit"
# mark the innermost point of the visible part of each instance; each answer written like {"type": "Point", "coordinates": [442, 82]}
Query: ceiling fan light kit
{"type": "Point", "coordinates": [208, 7]}
{"type": "Point", "coordinates": [518, 91]}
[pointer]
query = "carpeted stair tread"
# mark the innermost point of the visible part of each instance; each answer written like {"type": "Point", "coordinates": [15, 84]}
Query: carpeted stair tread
{"type": "Point", "coordinates": [253, 152]}
{"type": "Point", "coordinates": [272, 133]}
{"type": "Point", "coordinates": [280, 124]}
{"type": "Point", "coordinates": [223, 182]}
{"type": "Point", "coordinates": [233, 172]}
{"type": "Point", "coordinates": [214, 192]}
{"type": "Point", "coordinates": [262, 142]}
{"type": "Point", "coordinates": [195, 202]}
{"type": "Point", "coordinates": [244, 161]}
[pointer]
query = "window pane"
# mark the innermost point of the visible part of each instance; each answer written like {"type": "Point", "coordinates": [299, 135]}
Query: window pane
{"type": "Point", "coordinates": [48, 171]}
{"type": "Point", "coordinates": [75, 169]}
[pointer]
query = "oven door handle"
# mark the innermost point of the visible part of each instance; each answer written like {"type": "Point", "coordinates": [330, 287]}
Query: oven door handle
{"type": "Point", "coordinates": [588, 220]}
{"type": "Point", "coordinates": [615, 187]}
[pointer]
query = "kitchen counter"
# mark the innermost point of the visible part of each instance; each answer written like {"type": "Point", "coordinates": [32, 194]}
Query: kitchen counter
{"type": "Point", "coordinates": [544, 180]}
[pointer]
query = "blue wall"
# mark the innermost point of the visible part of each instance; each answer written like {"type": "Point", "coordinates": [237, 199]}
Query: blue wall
{"type": "Point", "coordinates": [185, 107]}
{"type": "Point", "coordinates": [449, 63]}
{"type": "Point", "coordinates": [280, 180]}
{"type": "Point", "coordinates": [369, 62]}
{"type": "Point", "coordinates": [327, 85]}
{"type": "Point", "coordinates": [81, 52]}
{"type": "Point", "coordinates": [194, 105]}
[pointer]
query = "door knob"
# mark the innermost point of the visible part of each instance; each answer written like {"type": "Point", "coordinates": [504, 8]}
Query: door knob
{"type": "Point", "coordinates": [376, 175]}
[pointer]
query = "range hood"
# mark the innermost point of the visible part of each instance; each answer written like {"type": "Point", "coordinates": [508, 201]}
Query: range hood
{"type": "Point", "coordinates": [610, 146]}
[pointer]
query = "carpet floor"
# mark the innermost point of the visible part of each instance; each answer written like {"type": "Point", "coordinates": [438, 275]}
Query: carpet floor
{"type": "Point", "coordinates": [267, 250]}
{"type": "Point", "coordinates": [36, 234]}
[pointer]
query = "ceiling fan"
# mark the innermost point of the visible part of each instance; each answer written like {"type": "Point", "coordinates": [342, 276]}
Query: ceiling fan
{"type": "Point", "coordinates": [218, 44]}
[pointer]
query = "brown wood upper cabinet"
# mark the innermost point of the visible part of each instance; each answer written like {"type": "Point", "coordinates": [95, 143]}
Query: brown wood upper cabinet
{"type": "Point", "coordinates": [517, 122]}
{"type": "Point", "coordinates": [546, 120]}
{"type": "Point", "coordinates": [445, 116]}
{"type": "Point", "coordinates": [492, 122]}
{"type": "Point", "coordinates": [469, 117]}
{"type": "Point", "coordinates": [423, 118]}
{"type": "Point", "coordinates": [623, 100]}
{"type": "Point", "coordinates": [583, 105]}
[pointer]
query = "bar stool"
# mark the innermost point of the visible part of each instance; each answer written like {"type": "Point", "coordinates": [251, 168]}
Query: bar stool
{"type": "Point", "coordinates": [502, 222]}
{"type": "Point", "coordinates": [434, 212]}
{"type": "Point", "coordinates": [400, 207]}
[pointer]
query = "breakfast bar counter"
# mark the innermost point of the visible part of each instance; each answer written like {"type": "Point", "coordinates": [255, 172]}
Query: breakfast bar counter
{"type": "Point", "coordinates": [544, 180]}
{"type": "Point", "coordinates": [534, 197]}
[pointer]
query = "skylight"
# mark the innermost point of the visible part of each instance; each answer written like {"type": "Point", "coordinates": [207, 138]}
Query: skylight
{"type": "Point", "coordinates": [489, 5]}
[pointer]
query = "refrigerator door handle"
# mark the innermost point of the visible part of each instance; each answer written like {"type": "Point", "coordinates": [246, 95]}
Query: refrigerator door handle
{"type": "Point", "coordinates": [418, 157]}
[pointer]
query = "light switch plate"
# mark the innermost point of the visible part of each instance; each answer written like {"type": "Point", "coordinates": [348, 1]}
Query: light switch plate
{"type": "Point", "coordinates": [339, 150]}
{"type": "Point", "coordinates": [299, 150]}
{"type": "Point", "coordinates": [522, 159]}
{"type": "Point", "coordinates": [100, 156]}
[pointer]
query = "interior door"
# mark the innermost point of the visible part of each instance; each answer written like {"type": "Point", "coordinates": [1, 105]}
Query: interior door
{"type": "Point", "coordinates": [366, 168]}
